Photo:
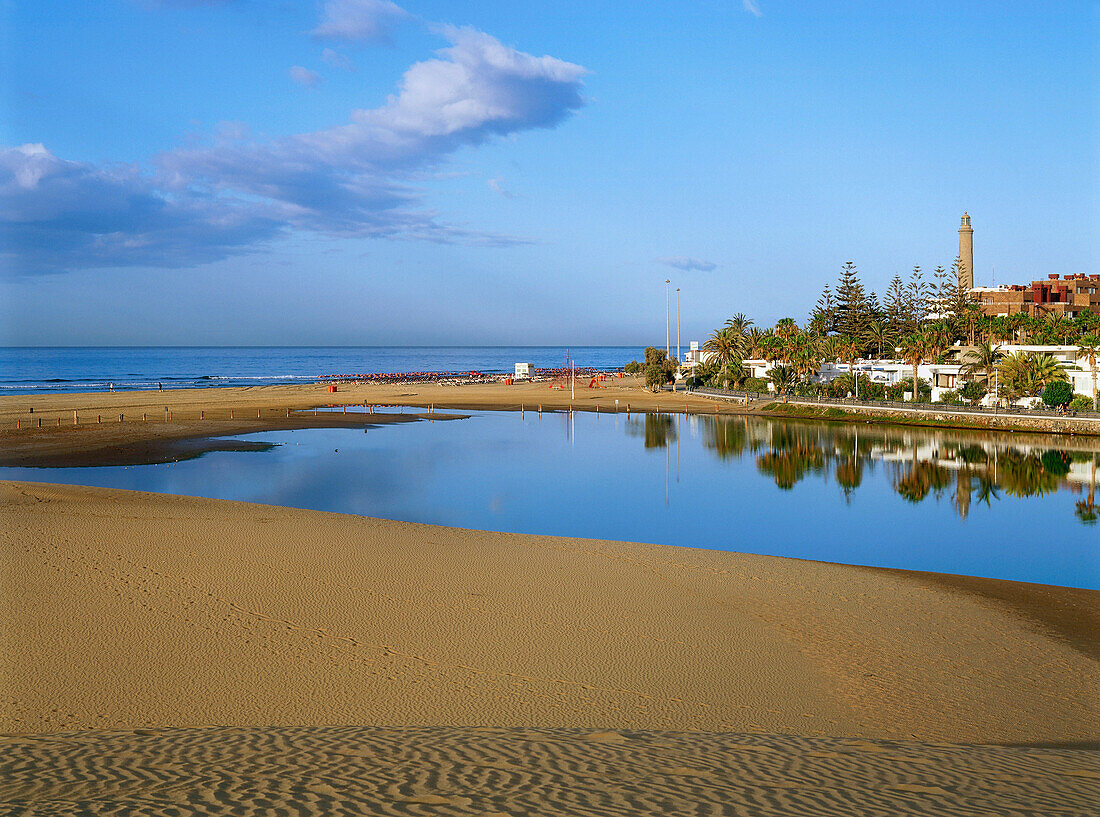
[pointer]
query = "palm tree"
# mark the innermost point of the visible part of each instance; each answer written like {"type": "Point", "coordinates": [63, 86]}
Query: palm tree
{"type": "Point", "coordinates": [783, 377]}
{"type": "Point", "coordinates": [848, 349]}
{"type": "Point", "coordinates": [982, 358]}
{"type": "Point", "coordinates": [803, 353]}
{"type": "Point", "coordinates": [785, 328]}
{"type": "Point", "coordinates": [914, 349]}
{"type": "Point", "coordinates": [827, 349]}
{"type": "Point", "coordinates": [724, 346]}
{"type": "Point", "coordinates": [1026, 375]}
{"type": "Point", "coordinates": [1089, 347]}
{"type": "Point", "coordinates": [739, 323]}
{"type": "Point", "coordinates": [754, 338]}
{"type": "Point", "coordinates": [879, 334]}
{"type": "Point", "coordinates": [1046, 369]}
{"type": "Point", "coordinates": [972, 313]}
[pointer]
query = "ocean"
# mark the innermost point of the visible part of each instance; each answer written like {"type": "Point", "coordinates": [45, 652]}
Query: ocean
{"type": "Point", "coordinates": [36, 370]}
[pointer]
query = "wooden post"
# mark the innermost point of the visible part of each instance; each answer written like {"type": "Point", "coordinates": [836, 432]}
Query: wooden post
{"type": "Point", "coordinates": [230, 414]}
{"type": "Point", "coordinates": [120, 417]}
{"type": "Point", "coordinates": [143, 417]}
{"type": "Point", "coordinates": [202, 415]}
{"type": "Point", "coordinates": [99, 418]}
{"type": "Point", "coordinates": [288, 414]}
{"type": "Point", "coordinates": [59, 422]}
{"type": "Point", "coordinates": [74, 418]}
{"type": "Point", "coordinates": [257, 414]}
{"type": "Point", "coordinates": [40, 422]}
{"type": "Point", "coordinates": [17, 424]}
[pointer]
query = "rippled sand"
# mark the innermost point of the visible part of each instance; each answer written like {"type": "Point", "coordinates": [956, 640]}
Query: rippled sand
{"type": "Point", "coordinates": [451, 771]}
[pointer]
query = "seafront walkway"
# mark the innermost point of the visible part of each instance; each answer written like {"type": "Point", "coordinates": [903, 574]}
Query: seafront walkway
{"type": "Point", "coordinates": [894, 406]}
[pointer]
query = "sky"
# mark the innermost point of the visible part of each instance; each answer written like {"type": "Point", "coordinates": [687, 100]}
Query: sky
{"type": "Point", "coordinates": [366, 172]}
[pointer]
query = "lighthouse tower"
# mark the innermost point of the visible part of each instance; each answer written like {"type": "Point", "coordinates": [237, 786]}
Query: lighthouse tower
{"type": "Point", "coordinates": [966, 253]}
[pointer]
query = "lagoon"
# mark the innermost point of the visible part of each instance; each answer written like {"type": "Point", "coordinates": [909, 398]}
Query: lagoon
{"type": "Point", "coordinates": [1008, 506]}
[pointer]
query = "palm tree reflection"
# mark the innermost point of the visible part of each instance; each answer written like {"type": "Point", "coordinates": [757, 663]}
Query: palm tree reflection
{"type": "Point", "coordinates": [920, 462]}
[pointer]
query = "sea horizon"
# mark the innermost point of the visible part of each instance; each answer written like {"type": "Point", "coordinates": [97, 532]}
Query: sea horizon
{"type": "Point", "coordinates": [60, 369]}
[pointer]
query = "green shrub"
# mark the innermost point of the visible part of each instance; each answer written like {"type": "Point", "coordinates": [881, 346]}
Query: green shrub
{"type": "Point", "coordinates": [755, 384]}
{"type": "Point", "coordinates": [951, 398]}
{"type": "Point", "coordinates": [1081, 403]}
{"type": "Point", "coordinates": [633, 367]}
{"type": "Point", "coordinates": [1058, 393]}
{"type": "Point", "coordinates": [973, 391]}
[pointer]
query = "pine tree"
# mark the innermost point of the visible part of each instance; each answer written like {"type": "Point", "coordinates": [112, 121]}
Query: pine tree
{"type": "Point", "coordinates": [945, 291]}
{"type": "Point", "coordinates": [916, 295]}
{"type": "Point", "coordinates": [823, 316]}
{"type": "Point", "coordinates": [961, 296]}
{"type": "Point", "coordinates": [897, 308]}
{"type": "Point", "coordinates": [852, 314]}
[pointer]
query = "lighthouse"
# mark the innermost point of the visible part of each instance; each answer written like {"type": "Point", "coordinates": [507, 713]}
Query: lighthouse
{"type": "Point", "coordinates": [966, 253]}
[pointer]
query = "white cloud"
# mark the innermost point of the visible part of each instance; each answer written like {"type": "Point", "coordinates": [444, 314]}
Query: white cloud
{"type": "Point", "coordinates": [682, 262]}
{"type": "Point", "coordinates": [304, 77]}
{"type": "Point", "coordinates": [356, 179]}
{"type": "Point", "coordinates": [337, 60]}
{"type": "Point", "coordinates": [362, 20]}
{"type": "Point", "coordinates": [752, 8]}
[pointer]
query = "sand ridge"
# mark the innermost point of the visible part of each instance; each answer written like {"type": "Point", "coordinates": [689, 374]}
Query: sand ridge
{"type": "Point", "coordinates": [456, 772]}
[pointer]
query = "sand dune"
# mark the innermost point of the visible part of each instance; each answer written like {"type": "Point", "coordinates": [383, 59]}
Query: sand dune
{"type": "Point", "coordinates": [462, 772]}
{"type": "Point", "coordinates": [124, 610]}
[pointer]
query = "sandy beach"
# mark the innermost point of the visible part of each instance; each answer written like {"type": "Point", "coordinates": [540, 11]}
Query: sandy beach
{"type": "Point", "coordinates": [133, 611]}
{"type": "Point", "coordinates": [467, 672]}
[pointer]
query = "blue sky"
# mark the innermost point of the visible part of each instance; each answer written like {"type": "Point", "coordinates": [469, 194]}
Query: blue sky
{"type": "Point", "coordinates": [368, 172]}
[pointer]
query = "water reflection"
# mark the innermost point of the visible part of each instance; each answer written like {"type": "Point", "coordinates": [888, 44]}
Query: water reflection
{"type": "Point", "coordinates": [657, 430]}
{"type": "Point", "coordinates": [921, 463]}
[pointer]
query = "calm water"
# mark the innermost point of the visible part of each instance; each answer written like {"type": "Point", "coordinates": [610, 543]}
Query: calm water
{"type": "Point", "coordinates": [989, 505]}
{"type": "Point", "coordinates": [81, 369]}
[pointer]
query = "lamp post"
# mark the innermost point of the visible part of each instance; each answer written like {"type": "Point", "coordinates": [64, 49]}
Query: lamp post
{"type": "Point", "coordinates": [677, 326]}
{"type": "Point", "coordinates": [667, 344]}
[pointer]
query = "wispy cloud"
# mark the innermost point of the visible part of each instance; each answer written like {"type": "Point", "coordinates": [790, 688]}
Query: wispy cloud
{"type": "Point", "coordinates": [497, 186]}
{"type": "Point", "coordinates": [304, 77]}
{"type": "Point", "coordinates": [357, 179]}
{"type": "Point", "coordinates": [337, 60]}
{"type": "Point", "coordinates": [682, 262]}
{"type": "Point", "coordinates": [359, 20]}
{"type": "Point", "coordinates": [752, 8]}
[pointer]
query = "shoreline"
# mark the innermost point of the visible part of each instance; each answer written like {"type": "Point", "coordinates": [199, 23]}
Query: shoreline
{"type": "Point", "coordinates": [92, 428]}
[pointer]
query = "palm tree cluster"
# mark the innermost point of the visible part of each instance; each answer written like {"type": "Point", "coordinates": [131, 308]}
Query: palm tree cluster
{"type": "Point", "coordinates": [918, 322]}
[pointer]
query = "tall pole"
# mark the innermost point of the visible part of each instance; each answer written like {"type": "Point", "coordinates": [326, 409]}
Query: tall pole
{"type": "Point", "coordinates": [572, 384]}
{"type": "Point", "coordinates": [667, 344]}
{"type": "Point", "coordinates": [678, 326]}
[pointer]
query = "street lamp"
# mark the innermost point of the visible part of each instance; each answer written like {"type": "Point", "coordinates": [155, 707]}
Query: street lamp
{"type": "Point", "coordinates": [667, 344]}
{"type": "Point", "coordinates": [677, 326]}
